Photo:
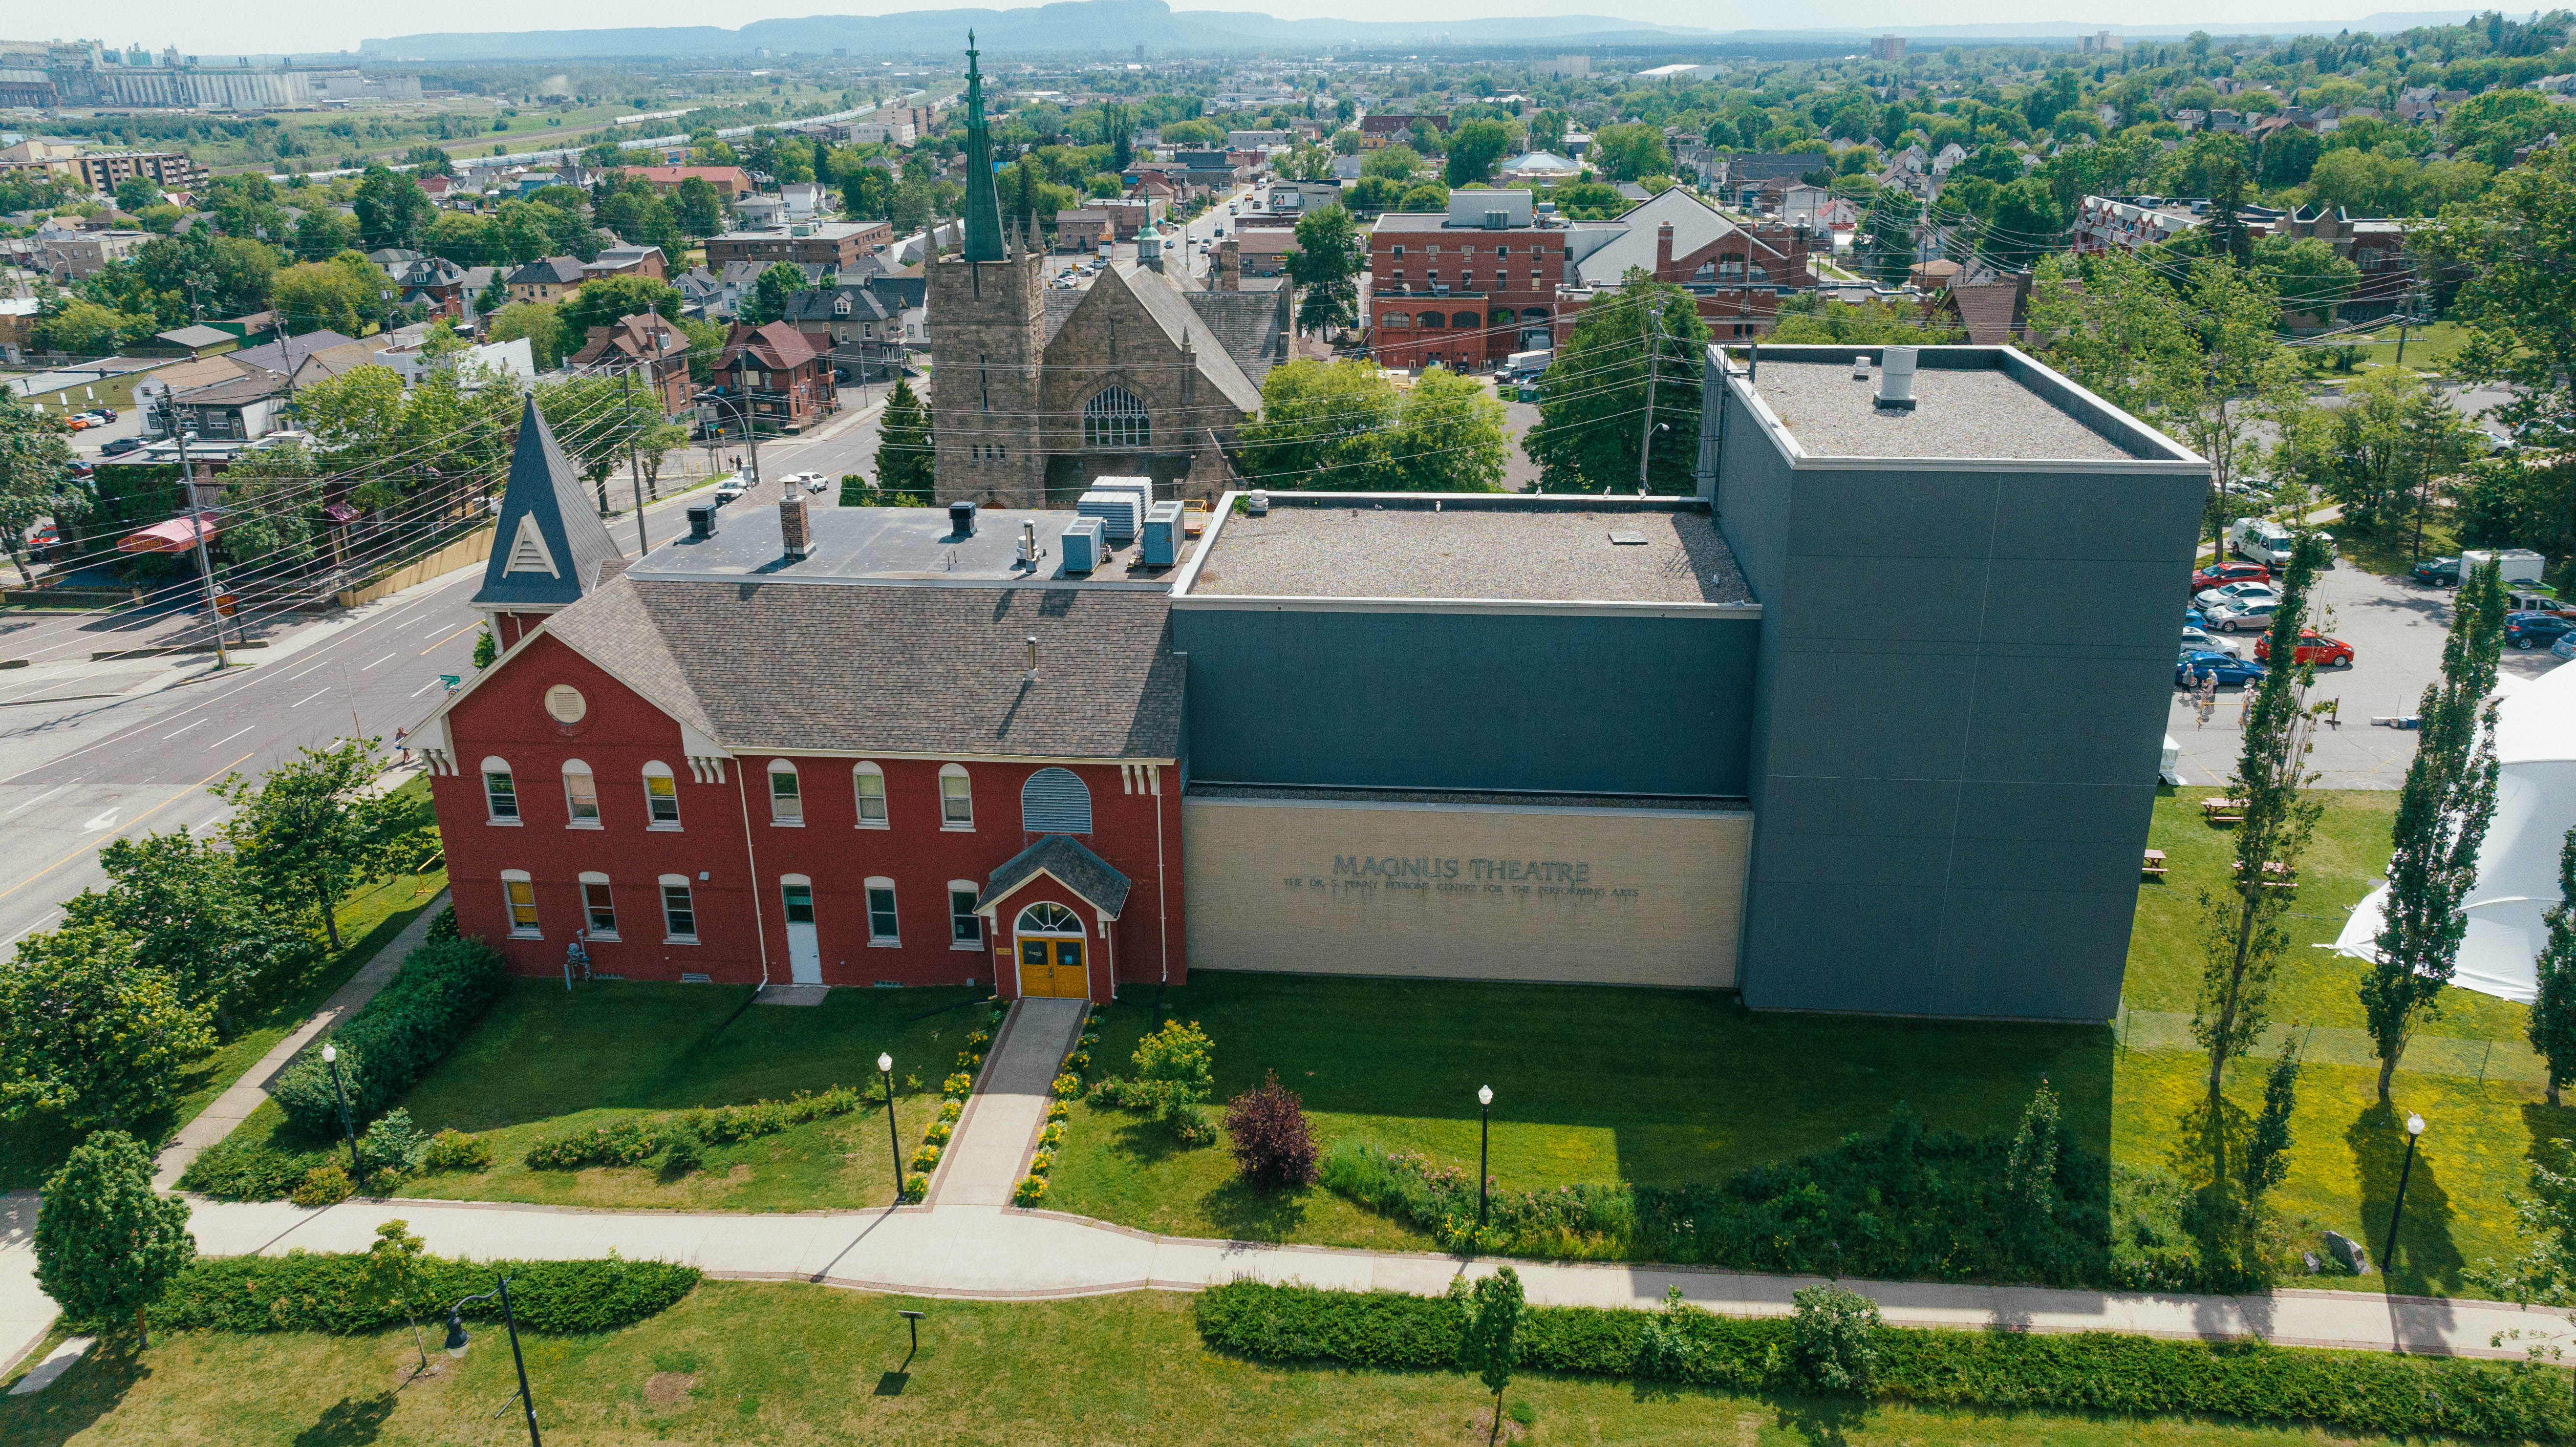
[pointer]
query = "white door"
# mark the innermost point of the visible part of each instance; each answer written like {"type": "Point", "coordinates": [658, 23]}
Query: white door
{"type": "Point", "coordinates": [804, 955]}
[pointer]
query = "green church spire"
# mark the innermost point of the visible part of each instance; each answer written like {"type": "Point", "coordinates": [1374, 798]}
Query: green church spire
{"type": "Point", "coordinates": [983, 203]}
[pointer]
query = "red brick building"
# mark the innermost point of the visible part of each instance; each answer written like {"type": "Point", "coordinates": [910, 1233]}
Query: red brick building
{"type": "Point", "coordinates": [1466, 287]}
{"type": "Point", "coordinates": [775, 377]}
{"type": "Point", "coordinates": [970, 785]}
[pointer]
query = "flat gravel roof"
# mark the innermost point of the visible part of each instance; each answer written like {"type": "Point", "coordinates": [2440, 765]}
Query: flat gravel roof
{"type": "Point", "coordinates": [1540, 554]}
{"type": "Point", "coordinates": [1971, 412]}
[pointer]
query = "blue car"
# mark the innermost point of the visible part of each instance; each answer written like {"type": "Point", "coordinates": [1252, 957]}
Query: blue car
{"type": "Point", "coordinates": [2193, 618]}
{"type": "Point", "coordinates": [2565, 647]}
{"type": "Point", "coordinates": [2535, 630]}
{"type": "Point", "coordinates": [2230, 671]}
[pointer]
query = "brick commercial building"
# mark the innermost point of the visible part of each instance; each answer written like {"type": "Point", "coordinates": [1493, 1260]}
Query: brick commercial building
{"type": "Point", "coordinates": [1467, 287]}
{"type": "Point", "coordinates": [834, 244]}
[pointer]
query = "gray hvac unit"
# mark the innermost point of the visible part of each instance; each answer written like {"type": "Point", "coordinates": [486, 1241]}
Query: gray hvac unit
{"type": "Point", "coordinates": [1084, 547]}
{"type": "Point", "coordinates": [1121, 514]}
{"type": "Point", "coordinates": [1162, 535]}
{"type": "Point", "coordinates": [1143, 487]}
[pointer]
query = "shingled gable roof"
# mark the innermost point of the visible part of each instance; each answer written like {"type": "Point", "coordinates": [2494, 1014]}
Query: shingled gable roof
{"type": "Point", "coordinates": [1070, 864]}
{"type": "Point", "coordinates": [1180, 321]}
{"type": "Point", "coordinates": [905, 669]}
{"type": "Point", "coordinates": [550, 549]}
{"type": "Point", "coordinates": [777, 346]}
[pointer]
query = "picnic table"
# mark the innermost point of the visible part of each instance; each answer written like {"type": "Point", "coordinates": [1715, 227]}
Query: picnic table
{"type": "Point", "coordinates": [2223, 811]}
{"type": "Point", "coordinates": [2276, 875]}
{"type": "Point", "coordinates": [2155, 862]}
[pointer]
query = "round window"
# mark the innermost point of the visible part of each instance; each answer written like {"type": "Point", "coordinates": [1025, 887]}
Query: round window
{"type": "Point", "coordinates": [564, 704]}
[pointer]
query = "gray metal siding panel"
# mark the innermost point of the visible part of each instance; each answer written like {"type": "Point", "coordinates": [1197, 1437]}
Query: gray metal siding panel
{"type": "Point", "coordinates": [1568, 703]}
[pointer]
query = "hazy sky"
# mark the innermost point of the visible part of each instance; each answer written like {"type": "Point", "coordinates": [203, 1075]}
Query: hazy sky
{"type": "Point", "coordinates": [309, 25]}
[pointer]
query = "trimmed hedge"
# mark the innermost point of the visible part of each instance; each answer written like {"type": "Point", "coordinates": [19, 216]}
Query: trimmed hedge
{"type": "Point", "coordinates": [305, 1291]}
{"type": "Point", "coordinates": [408, 1027]}
{"type": "Point", "coordinates": [2085, 1372]}
{"type": "Point", "coordinates": [237, 1168]}
{"type": "Point", "coordinates": [629, 1142]}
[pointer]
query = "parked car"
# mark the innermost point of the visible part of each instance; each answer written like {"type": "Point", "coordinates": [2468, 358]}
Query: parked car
{"type": "Point", "coordinates": [82, 422]}
{"type": "Point", "coordinates": [2237, 593]}
{"type": "Point", "coordinates": [2240, 616]}
{"type": "Point", "coordinates": [2314, 647]}
{"type": "Point", "coordinates": [2201, 640]}
{"type": "Point", "coordinates": [2229, 669]}
{"type": "Point", "coordinates": [815, 482]}
{"type": "Point", "coordinates": [46, 543]}
{"type": "Point", "coordinates": [119, 446]}
{"type": "Point", "coordinates": [2565, 647]}
{"type": "Point", "coordinates": [2535, 630]}
{"type": "Point", "coordinates": [2439, 572]}
{"type": "Point", "coordinates": [105, 415]}
{"type": "Point", "coordinates": [2220, 574]}
{"type": "Point", "coordinates": [728, 492]}
{"type": "Point", "coordinates": [2194, 618]}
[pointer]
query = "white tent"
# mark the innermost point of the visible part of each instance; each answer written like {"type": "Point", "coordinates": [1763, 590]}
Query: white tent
{"type": "Point", "coordinates": [2518, 864]}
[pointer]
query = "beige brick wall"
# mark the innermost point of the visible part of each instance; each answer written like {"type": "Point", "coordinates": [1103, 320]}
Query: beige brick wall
{"type": "Point", "coordinates": [1605, 896]}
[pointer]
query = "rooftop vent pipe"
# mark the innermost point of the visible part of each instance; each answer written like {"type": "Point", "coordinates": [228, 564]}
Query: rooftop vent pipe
{"type": "Point", "coordinates": [1259, 503]}
{"type": "Point", "coordinates": [1860, 366]}
{"type": "Point", "coordinates": [1032, 675]}
{"type": "Point", "coordinates": [1896, 379]}
{"type": "Point", "coordinates": [1028, 545]}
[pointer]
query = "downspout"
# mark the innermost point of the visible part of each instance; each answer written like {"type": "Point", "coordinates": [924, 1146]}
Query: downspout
{"type": "Point", "coordinates": [1162, 899]}
{"type": "Point", "coordinates": [759, 922]}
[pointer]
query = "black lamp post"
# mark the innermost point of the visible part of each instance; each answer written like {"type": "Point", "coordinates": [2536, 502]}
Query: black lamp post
{"type": "Point", "coordinates": [456, 1340]}
{"type": "Point", "coordinates": [348, 1126]}
{"type": "Point", "coordinates": [894, 1137]}
{"type": "Point", "coordinates": [912, 1319]}
{"type": "Point", "coordinates": [1484, 1138]}
{"type": "Point", "coordinates": [2414, 1133]}
{"type": "Point", "coordinates": [750, 427]}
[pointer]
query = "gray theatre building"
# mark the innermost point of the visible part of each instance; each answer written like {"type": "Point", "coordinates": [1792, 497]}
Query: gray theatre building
{"type": "Point", "coordinates": [1872, 724]}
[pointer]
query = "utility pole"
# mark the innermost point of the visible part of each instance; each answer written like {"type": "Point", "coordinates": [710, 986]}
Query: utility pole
{"type": "Point", "coordinates": [635, 464]}
{"type": "Point", "coordinates": [205, 569]}
{"type": "Point", "coordinates": [1653, 340]}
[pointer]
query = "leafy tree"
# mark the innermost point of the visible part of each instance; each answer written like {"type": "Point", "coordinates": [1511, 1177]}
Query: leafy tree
{"type": "Point", "coordinates": [770, 292]}
{"type": "Point", "coordinates": [86, 329]}
{"type": "Point", "coordinates": [700, 209]}
{"type": "Point", "coordinates": [2050, 98]}
{"type": "Point", "coordinates": [2492, 126]}
{"type": "Point", "coordinates": [2512, 243]}
{"type": "Point", "coordinates": [2030, 1167]}
{"type": "Point", "coordinates": [337, 295]}
{"type": "Point", "coordinates": [323, 232]}
{"type": "Point", "coordinates": [2443, 810]}
{"type": "Point", "coordinates": [392, 209]}
{"type": "Point", "coordinates": [1342, 426]}
{"type": "Point", "coordinates": [1473, 150]}
{"type": "Point", "coordinates": [2381, 452]}
{"type": "Point", "coordinates": [598, 418]}
{"type": "Point", "coordinates": [1588, 200]}
{"type": "Point", "coordinates": [2551, 1027]}
{"type": "Point", "coordinates": [1395, 163]}
{"type": "Point", "coordinates": [603, 301]}
{"type": "Point", "coordinates": [1325, 268]}
{"type": "Point", "coordinates": [2242, 938]}
{"type": "Point", "coordinates": [314, 828]}
{"type": "Point", "coordinates": [1869, 323]}
{"type": "Point", "coordinates": [391, 1263]}
{"type": "Point", "coordinates": [1489, 1335]}
{"type": "Point", "coordinates": [355, 417]}
{"type": "Point", "coordinates": [1832, 1338]}
{"type": "Point", "coordinates": [2306, 275]}
{"type": "Point", "coordinates": [275, 495]}
{"type": "Point", "coordinates": [35, 480]}
{"type": "Point", "coordinates": [136, 192]}
{"type": "Point", "coordinates": [1630, 152]}
{"type": "Point", "coordinates": [1274, 1149]}
{"type": "Point", "coordinates": [88, 1035]}
{"type": "Point", "coordinates": [107, 1244]}
{"type": "Point", "coordinates": [1587, 437]}
{"type": "Point", "coordinates": [540, 322]}
{"type": "Point", "coordinates": [1426, 196]}
{"type": "Point", "coordinates": [192, 916]}
{"type": "Point", "coordinates": [905, 450]}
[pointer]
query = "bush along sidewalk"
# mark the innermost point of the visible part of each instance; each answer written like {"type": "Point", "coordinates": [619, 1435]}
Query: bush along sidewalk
{"type": "Point", "coordinates": [336, 1292]}
{"type": "Point", "coordinates": [1834, 1346]}
{"type": "Point", "coordinates": [1068, 1088]}
{"type": "Point", "coordinates": [952, 1106]}
{"type": "Point", "coordinates": [394, 1039]}
{"type": "Point", "coordinates": [1904, 1204]}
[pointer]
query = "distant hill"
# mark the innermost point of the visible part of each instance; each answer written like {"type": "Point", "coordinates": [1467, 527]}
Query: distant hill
{"type": "Point", "coordinates": [1112, 26]}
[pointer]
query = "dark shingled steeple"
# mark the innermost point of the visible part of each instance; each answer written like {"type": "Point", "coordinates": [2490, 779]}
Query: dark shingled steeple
{"type": "Point", "coordinates": [551, 548]}
{"type": "Point", "coordinates": [983, 202]}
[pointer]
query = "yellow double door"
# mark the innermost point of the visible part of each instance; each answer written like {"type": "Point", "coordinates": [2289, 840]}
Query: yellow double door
{"type": "Point", "coordinates": [1053, 969]}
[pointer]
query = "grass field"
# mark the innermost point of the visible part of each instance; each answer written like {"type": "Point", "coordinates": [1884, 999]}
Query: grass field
{"type": "Point", "coordinates": [1661, 1087]}
{"type": "Point", "coordinates": [756, 1363]}
{"type": "Point", "coordinates": [369, 920]}
{"type": "Point", "coordinates": [543, 1061]}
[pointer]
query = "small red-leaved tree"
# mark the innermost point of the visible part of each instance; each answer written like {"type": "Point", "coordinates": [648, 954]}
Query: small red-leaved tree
{"type": "Point", "coordinates": [1272, 1145]}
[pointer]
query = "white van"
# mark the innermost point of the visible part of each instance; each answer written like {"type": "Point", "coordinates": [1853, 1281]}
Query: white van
{"type": "Point", "coordinates": [2259, 540]}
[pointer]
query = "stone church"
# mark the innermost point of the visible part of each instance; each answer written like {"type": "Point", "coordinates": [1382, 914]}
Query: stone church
{"type": "Point", "coordinates": [1036, 390]}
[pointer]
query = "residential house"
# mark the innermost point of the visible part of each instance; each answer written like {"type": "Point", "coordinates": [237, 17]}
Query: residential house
{"type": "Point", "coordinates": [79, 254]}
{"type": "Point", "coordinates": [153, 390]}
{"type": "Point", "coordinates": [805, 200]}
{"type": "Point", "coordinates": [868, 325]}
{"type": "Point", "coordinates": [2107, 223]}
{"type": "Point", "coordinates": [773, 377]}
{"type": "Point", "coordinates": [549, 279]}
{"type": "Point", "coordinates": [1262, 251]}
{"type": "Point", "coordinates": [1129, 214]}
{"type": "Point", "coordinates": [194, 341]}
{"type": "Point", "coordinates": [476, 367]}
{"type": "Point", "coordinates": [1395, 130]}
{"type": "Point", "coordinates": [652, 348]}
{"type": "Point", "coordinates": [645, 261]}
{"type": "Point", "coordinates": [730, 182]}
{"type": "Point", "coordinates": [1084, 230]}
{"type": "Point", "coordinates": [1736, 275]}
{"type": "Point", "coordinates": [756, 213]}
{"type": "Point", "coordinates": [239, 409]}
{"type": "Point", "coordinates": [832, 244]}
{"type": "Point", "coordinates": [434, 282]}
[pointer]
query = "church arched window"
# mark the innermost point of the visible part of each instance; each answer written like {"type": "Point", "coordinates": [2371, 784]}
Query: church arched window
{"type": "Point", "coordinates": [1116, 418]}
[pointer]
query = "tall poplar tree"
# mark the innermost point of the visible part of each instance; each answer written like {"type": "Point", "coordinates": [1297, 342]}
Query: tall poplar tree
{"type": "Point", "coordinates": [2442, 814]}
{"type": "Point", "coordinates": [2552, 1026]}
{"type": "Point", "coordinates": [904, 447]}
{"type": "Point", "coordinates": [2242, 935]}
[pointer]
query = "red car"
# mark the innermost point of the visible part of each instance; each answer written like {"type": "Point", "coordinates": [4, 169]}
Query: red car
{"type": "Point", "coordinates": [2314, 647]}
{"type": "Point", "coordinates": [2219, 575]}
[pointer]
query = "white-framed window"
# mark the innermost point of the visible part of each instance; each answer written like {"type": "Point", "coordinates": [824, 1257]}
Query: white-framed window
{"type": "Point", "coordinates": [661, 797]}
{"type": "Point", "coordinates": [956, 798]}
{"type": "Point", "coordinates": [869, 781]}
{"type": "Point", "coordinates": [679, 912]}
{"type": "Point", "coordinates": [1046, 917]}
{"type": "Point", "coordinates": [598, 909]}
{"type": "Point", "coordinates": [786, 800]}
{"type": "Point", "coordinates": [500, 793]}
{"type": "Point", "coordinates": [581, 796]}
{"type": "Point", "coordinates": [965, 927]}
{"type": "Point", "coordinates": [882, 927]}
{"type": "Point", "coordinates": [521, 893]}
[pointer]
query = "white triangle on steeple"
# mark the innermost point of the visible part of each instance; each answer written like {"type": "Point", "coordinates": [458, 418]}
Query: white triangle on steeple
{"type": "Point", "coordinates": [528, 550]}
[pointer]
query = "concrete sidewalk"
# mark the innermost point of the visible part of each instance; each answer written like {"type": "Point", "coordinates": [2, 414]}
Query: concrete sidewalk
{"type": "Point", "coordinates": [999, 1128]}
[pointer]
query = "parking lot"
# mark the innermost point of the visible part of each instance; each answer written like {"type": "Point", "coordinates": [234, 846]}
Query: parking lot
{"type": "Point", "coordinates": [2396, 628]}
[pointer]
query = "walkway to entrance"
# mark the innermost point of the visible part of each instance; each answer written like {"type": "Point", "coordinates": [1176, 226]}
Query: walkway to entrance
{"type": "Point", "coordinates": [1003, 1117]}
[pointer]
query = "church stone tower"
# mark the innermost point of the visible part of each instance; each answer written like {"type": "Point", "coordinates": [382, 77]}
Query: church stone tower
{"type": "Point", "coordinates": [988, 324]}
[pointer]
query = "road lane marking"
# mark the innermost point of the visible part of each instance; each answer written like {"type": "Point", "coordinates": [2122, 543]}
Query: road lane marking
{"type": "Point", "coordinates": [165, 738]}
{"type": "Point", "coordinates": [450, 638]}
{"type": "Point", "coordinates": [103, 821]}
{"type": "Point", "coordinates": [371, 665]}
{"type": "Point", "coordinates": [32, 803]}
{"type": "Point", "coordinates": [41, 921]}
{"type": "Point", "coordinates": [228, 738]}
{"type": "Point", "coordinates": [424, 688]}
{"type": "Point", "coordinates": [308, 698]}
{"type": "Point", "coordinates": [137, 819]}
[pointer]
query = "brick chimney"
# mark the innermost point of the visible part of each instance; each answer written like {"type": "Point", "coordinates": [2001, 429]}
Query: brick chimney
{"type": "Point", "coordinates": [1664, 252]}
{"type": "Point", "coordinates": [1229, 265]}
{"type": "Point", "coordinates": [791, 521]}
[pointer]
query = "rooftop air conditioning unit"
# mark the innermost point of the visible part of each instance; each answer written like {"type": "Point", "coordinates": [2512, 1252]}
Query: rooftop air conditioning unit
{"type": "Point", "coordinates": [1085, 549]}
{"type": "Point", "coordinates": [1498, 220]}
{"type": "Point", "coordinates": [1162, 535]}
{"type": "Point", "coordinates": [1121, 514]}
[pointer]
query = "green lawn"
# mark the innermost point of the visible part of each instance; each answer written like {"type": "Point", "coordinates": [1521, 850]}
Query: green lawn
{"type": "Point", "coordinates": [543, 1061]}
{"type": "Point", "coordinates": [2428, 348]}
{"type": "Point", "coordinates": [742, 1362]}
{"type": "Point", "coordinates": [369, 920]}
{"type": "Point", "coordinates": [1658, 1087]}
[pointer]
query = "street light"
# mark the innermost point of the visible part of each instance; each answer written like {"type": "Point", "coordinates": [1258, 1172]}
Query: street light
{"type": "Point", "coordinates": [456, 1340]}
{"type": "Point", "coordinates": [348, 1127]}
{"type": "Point", "coordinates": [1484, 1138]}
{"type": "Point", "coordinates": [2414, 1133]}
{"type": "Point", "coordinates": [742, 415]}
{"type": "Point", "coordinates": [894, 1138]}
